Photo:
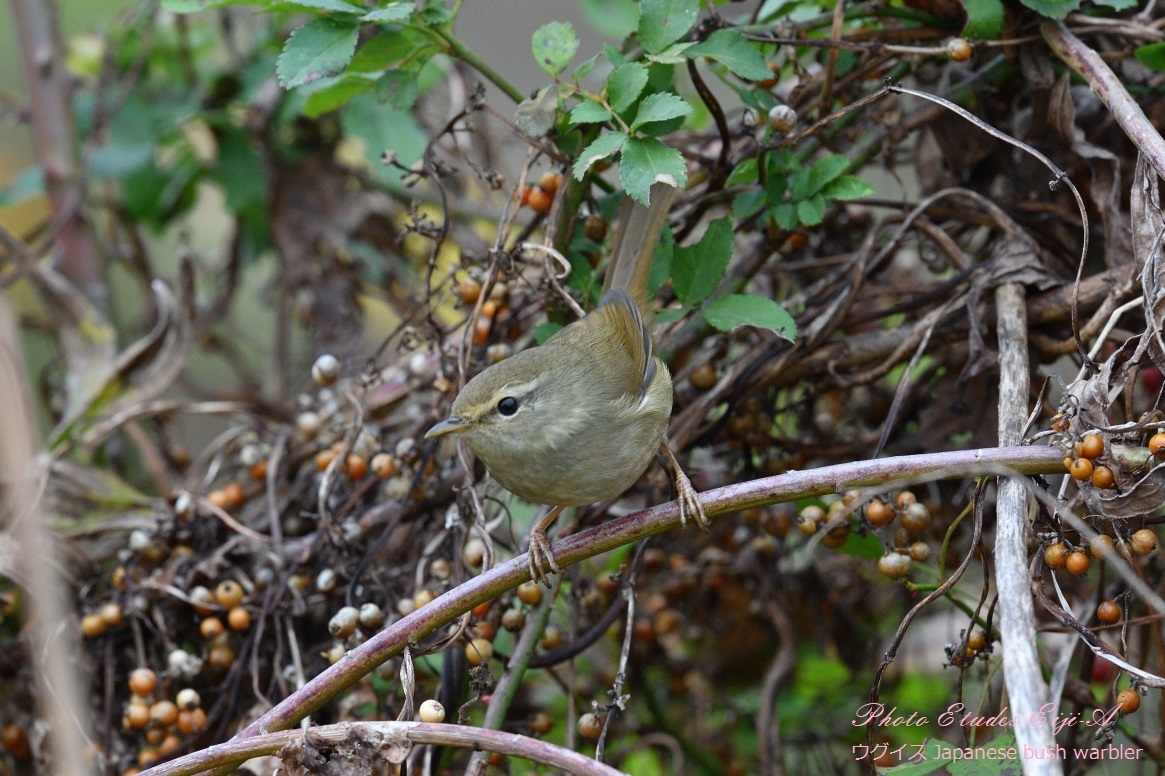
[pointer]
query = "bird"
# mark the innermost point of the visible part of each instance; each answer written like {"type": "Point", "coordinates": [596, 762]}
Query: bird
{"type": "Point", "coordinates": [579, 418]}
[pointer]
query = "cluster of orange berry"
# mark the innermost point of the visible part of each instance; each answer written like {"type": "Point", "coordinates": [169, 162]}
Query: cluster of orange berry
{"type": "Point", "coordinates": [1058, 555]}
{"type": "Point", "coordinates": [160, 719]}
{"type": "Point", "coordinates": [540, 197]}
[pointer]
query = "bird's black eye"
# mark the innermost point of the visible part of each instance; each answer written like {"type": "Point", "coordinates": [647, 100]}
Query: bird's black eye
{"type": "Point", "coordinates": [508, 406]}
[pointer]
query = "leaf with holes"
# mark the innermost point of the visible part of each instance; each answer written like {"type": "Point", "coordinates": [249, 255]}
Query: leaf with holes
{"type": "Point", "coordinates": [646, 160]}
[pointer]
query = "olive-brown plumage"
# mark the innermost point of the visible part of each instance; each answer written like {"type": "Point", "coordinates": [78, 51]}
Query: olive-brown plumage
{"type": "Point", "coordinates": [578, 419]}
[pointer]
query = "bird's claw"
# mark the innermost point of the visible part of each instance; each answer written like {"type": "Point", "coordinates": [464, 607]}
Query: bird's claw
{"type": "Point", "coordinates": [690, 503]}
{"type": "Point", "coordinates": [542, 563]}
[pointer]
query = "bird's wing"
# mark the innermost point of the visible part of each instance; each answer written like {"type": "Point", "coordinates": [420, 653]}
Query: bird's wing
{"type": "Point", "coordinates": [630, 333]}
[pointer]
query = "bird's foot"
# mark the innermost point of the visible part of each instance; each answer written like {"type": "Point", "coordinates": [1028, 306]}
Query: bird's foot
{"type": "Point", "coordinates": [542, 563]}
{"type": "Point", "coordinates": [690, 502]}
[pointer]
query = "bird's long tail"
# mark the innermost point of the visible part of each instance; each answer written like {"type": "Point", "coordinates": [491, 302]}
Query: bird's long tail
{"type": "Point", "coordinates": [637, 233]}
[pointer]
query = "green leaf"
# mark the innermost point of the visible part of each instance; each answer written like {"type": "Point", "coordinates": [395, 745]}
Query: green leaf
{"type": "Point", "coordinates": [383, 129]}
{"type": "Point", "coordinates": [984, 19]}
{"type": "Point", "coordinates": [329, 94]}
{"type": "Point", "coordinates": [1118, 5]}
{"type": "Point", "coordinates": [698, 269]}
{"type": "Point", "coordinates": [667, 316]}
{"type": "Point", "coordinates": [811, 212]}
{"type": "Point", "coordinates": [661, 261]}
{"type": "Point", "coordinates": [733, 50]}
{"type": "Point", "coordinates": [397, 88]}
{"type": "Point", "coordinates": [335, 6]}
{"type": "Point", "coordinates": [1151, 56]}
{"type": "Point", "coordinates": [736, 310]}
{"type": "Point", "coordinates": [745, 172]}
{"type": "Point", "coordinates": [847, 187]}
{"type": "Point", "coordinates": [810, 181]}
{"type": "Point", "coordinates": [672, 55]}
{"type": "Point", "coordinates": [590, 112]}
{"type": "Point", "coordinates": [318, 49]}
{"type": "Point", "coordinates": [663, 22]}
{"type": "Point", "coordinates": [393, 12]}
{"type": "Point", "coordinates": [646, 160]}
{"type": "Point", "coordinates": [554, 46]}
{"type": "Point", "coordinates": [748, 202]}
{"type": "Point", "coordinates": [27, 183]}
{"type": "Point", "coordinates": [625, 85]}
{"type": "Point", "coordinates": [545, 331]}
{"type": "Point", "coordinates": [612, 18]}
{"type": "Point", "coordinates": [603, 146]}
{"type": "Point", "coordinates": [660, 107]}
{"type": "Point", "coordinates": [389, 49]}
{"type": "Point", "coordinates": [241, 171]}
{"type": "Point", "coordinates": [1053, 9]}
{"type": "Point", "coordinates": [784, 215]}
{"type": "Point", "coordinates": [194, 6]}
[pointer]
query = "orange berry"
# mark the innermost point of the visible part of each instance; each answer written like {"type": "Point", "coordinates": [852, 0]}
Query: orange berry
{"type": "Point", "coordinates": [525, 198]}
{"type": "Point", "coordinates": [540, 200]}
{"type": "Point", "coordinates": [211, 628]}
{"type": "Point", "coordinates": [1103, 478]}
{"type": "Point", "coordinates": [324, 459]}
{"type": "Point", "coordinates": [481, 610]}
{"type": "Point", "coordinates": [142, 681]}
{"type": "Point", "coordinates": [1129, 700]}
{"type": "Point", "coordinates": [976, 640]}
{"type": "Point", "coordinates": [590, 726]}
{"type": "Point", "coordinates": [136, 716]}
{"type": "Point", "coordinates": [192, 721]}
{"type": "Point", "coordinates": [959, 49]}
{"type": "Point", "coordinates": [221, 657]}
{"type": "Point", "coordinates": [258, 472]}
{"type": "Point", "coordinates": [1101, 546]}
{"type": "Point", "coordinates": [1157, 445]}
{"type": "Point", "coordinates": [219, 499]}
{"type": "Point", "coordinates": [703, 377]}
{"type": "Point", "coordinates": [15, 740]}
{"type": "Point", "coordinates": [239, 618]}
{"type": "Point", "coordinates": [1143, 542]}
{"type": "Point", "coordinates": [357, 467]}
{"type": "Point", "coordinates": [1056, 555]}
{"type": "Point", "coordinates": [469, 290]}
{"type": "Point", "coordinates": [530, 593]}
{"type": "Point", "coordinates": [1092, 446]}
{"type": "Point", "coordinates": [879, 513]}
{"type": "Point", "coordinates": [549, 182]}
{"type": "Point", "coordinates": [383, 465]}
{"type": "Point", "coordinates": [1080, 469]}
{"type": "Point", "coordinates": [234, 494]}
{"type": "Point", "coordinates": [1077, 563]}
{"type": "Point", "coordinates": [92, 626]}
{"type": "Point", "coordinates": [164, 713]}
{"type": "Point", "coordinates": [1108, 612]}
{"type": "Point", "coordinates": [228, 593]}
{"type": "Point", "coordinates": [479, 651]}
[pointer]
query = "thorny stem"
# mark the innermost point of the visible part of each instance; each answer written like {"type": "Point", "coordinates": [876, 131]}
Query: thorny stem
{"type": "Point", "coordinates": [425, 621]}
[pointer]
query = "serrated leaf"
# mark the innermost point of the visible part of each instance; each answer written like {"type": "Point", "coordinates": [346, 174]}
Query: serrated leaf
{"type": "Point", "coordinates": [582, 70]}
{"type": "Point", "coordinates": [810, 181]}
{"type": "Point", "coordinates": [590, 112]}
{"type": "Point", "coordinates": [603, 146]}
{"type": "Point", "coordinates": [625, 85]}
{"type": "Point", "coordinates": [393, 12]}
{"type": "Point", "coordinates": [1151, 56]}
{"type": "Point", "coordinates": [614, 55]}
{"type": "Point", "coordinates": [697, 270]}
{"type": "Point", "coordinates": [660, 107]}
{"type": "Point", "coordinates": [647, 160]}
{"type": "Point", "coordinates": [318, 49]}
{"type": "Point", "coordinates": [984, 19]}
{"type": "Point", "coordinates": [554, 45]}
{"type": "Point", "coordinates": [27, 183]}
{"type": "Point", "coordinates": [745, 172]}
{"type": "Point", "coordinates": [663, 22]}
{"type": "Point", "coordinates": [389, 49]}
{"type": "Point", "coordinates": [847, 187]}
{"type": "Point", "coordinates": [734, 51]}
{"type": "Point", "coordinates": [811, 212]}
{"type": "Point", "coordinates": [736, 310]}
{"type": "Point", "coordinates": [535, 115]}
{"type": "Point", "coordinates": [329, 94]}
{"type": "Point", "coordinates": [672, 55]}
{"type": "Point", "coordinates": [1053, 9]}
{"type": "Point", "coordinates": [397, 88]}
{"type": "Point", "coordinates": [333, 6]}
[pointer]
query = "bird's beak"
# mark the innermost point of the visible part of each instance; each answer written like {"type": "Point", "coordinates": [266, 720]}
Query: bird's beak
{"type": "Point", "coordinates": [451, 425]}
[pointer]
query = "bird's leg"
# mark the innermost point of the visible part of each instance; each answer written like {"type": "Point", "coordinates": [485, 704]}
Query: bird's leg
{"type": "Point", "coordinates": [686, 494]}
{"type": "Point", "coordinates": [542, 563]}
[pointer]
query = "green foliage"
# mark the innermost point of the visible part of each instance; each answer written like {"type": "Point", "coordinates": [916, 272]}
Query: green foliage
{"type": "Point", "coordinates": [731, 49]}
{"type": "Point", "coordinates": [1152, 56]}
{"type": "Point", "coordinates": [320, 48]}
{"type": "Point", "coordinates": [554, 45]}
{"type": "Point", "coordinates": [794, 195]}
{"type": "Point", "coordinates": [663, 22]}
{"type": "Point", "coordinates": [984, 19]}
